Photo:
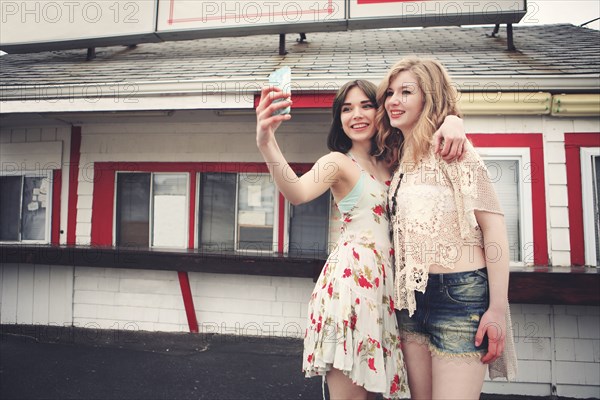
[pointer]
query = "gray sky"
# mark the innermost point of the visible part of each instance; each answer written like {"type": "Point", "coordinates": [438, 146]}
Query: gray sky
{"type": "Point", "coordinates": [575, 12]}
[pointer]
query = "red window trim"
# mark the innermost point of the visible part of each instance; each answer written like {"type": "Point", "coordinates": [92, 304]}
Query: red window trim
{"type": "Point", "coordinates": [535, 143]}
{"type": "Point", "coordinates": [104, 192]}
{"type": "Point", "coordinates": [573, 144]}
{"type": "Point", "coordinates": [308, 100]}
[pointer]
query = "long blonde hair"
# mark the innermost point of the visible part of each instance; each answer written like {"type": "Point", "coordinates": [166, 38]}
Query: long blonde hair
{"type": "Point", "coordinates": [440, 99]}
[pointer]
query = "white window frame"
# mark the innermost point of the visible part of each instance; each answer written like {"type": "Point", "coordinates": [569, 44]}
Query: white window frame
{"type": "Point", "coordinates": [274, 244]}
{"type": "Point", "coordinates": [36, 174]}
{"type": "Point", "coordinates": [198, 241]}
{"type": "Point", "coordinates": [523, 157]}
{"type": "Point", "coordinates": [587, 199]}
{"type": "Point", "coordinates": [151, 207]}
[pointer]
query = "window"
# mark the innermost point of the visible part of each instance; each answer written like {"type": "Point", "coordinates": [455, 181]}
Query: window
{"type": "Point", "coordinates": [217, 211]}
{"type": "Point", "coordinates": [510, 171]}
{"type": "Point", "coordinates": [25, 208]}
{"type": "Point", "coordinates": [237, 212]}
{"type": "Point", "coordinates": [151, 209]}
{"type": "Point", "coordinates": [309, 227]}
{"type": "Point", "coordinates": [590, 193]}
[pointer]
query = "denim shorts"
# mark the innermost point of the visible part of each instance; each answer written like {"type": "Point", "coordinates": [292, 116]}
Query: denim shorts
{"type": "Point", "coordinates": [448, 313]}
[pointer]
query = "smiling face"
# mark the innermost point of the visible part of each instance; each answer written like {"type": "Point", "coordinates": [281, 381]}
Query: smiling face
{"type": "Point", "coordinates": [358, 116]}
{"type": "Point", "coordinates": [404, 102]}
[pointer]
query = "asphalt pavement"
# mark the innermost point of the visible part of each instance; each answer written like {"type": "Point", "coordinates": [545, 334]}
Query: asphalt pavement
{"type": "Point", "coordinates": [49, 362]}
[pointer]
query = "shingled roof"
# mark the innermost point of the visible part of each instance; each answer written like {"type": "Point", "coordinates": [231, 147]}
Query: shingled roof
{"type": "Point", "coordinates": [545, 50]}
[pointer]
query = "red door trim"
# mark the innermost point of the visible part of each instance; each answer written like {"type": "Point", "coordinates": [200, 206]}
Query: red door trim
{"type": "Point", "coordinates": [573, 144]}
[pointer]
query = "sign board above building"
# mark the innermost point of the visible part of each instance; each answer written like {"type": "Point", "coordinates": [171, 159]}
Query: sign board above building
{"type": "Point", "coordinates": [38, 25]}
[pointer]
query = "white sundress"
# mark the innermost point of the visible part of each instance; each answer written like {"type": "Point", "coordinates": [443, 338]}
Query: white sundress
{"type": "Point", "coordinates": [351, 321]}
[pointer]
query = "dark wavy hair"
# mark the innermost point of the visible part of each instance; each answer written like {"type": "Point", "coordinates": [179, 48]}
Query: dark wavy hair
{"type": "Point", "coordinates": [337, 140]}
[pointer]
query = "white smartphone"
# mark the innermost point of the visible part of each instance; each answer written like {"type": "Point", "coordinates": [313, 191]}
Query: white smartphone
{"type": "Point", "coordinates": [282, 78]}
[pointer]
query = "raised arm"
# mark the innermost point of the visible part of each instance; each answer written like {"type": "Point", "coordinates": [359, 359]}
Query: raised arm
{"type": "Point", "coordinates": [452, 132]}
{"type": "Point", "coordinates": [324, 173]}
{"type": "Point", "coordinates": [493, 321]}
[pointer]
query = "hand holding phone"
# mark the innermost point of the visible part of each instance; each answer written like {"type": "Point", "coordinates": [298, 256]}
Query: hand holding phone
{"type": "Point", "coordinates": [282, 79]}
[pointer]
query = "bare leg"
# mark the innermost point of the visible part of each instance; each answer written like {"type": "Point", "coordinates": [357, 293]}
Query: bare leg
{"type": "Point", "coordinates": [342, 388]}
{"type": "Point", "coordinates": [418, 367]}
{"type": "Point", "coordinates": [457, 378]}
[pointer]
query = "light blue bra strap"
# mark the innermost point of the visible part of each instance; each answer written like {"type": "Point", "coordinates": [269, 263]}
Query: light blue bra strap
{"type": "Point", "coordinates": [350, 200]}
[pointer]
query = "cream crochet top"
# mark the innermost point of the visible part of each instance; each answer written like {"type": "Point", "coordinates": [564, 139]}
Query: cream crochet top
{"type": "Point", "coordinates": [432, 206]}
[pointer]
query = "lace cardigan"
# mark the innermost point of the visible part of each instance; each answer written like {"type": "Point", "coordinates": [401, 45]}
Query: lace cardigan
{"type": "Point", "coordinates": [433, 207]}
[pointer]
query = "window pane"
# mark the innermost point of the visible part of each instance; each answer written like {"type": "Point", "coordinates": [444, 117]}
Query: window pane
{"type": "Point", "coordinates": [169, 221]}
{"type": "Point", "coordinates": [309, 226]}
{"type": "Point", "coordinates": [256, 212]}
{"type": "Point", "coordinates": [133, 209]}
{"type": "Point", "coordinates": [505, 175]}
{"type": "Point", "coordinates": [35, 204]}
{"type": "Point", "coordinates": [596, 172]}
{"type": "Point", "coordinates": [217, 211]}
{"type": "Point", "coordinates": [10, 201]}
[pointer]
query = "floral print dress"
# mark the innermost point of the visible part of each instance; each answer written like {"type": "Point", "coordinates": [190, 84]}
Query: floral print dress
{"type": "Point", "coordinates": [351, 321]}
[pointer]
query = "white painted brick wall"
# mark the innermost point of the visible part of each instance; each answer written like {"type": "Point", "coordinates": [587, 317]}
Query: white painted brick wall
{"type": "Point", "coordinates": [577, 350]}
{"type": "Point", "coordinates": [580, 373]}
{"type": "Point", "coordinates": [555, 151]}
{"type": "Point", "coordinates": [559, 217]}
{"type": "Point", "coordinates": [557, 174]}
{"type": "Point", "coordinates": [578, 391]}
{"type": "Point", "coordinates": [560, 239]}
{"type": "Point", "coordinates": [253, 304]}
{"type": "Point", "coordinates": [589, 326]}
{"type": "Point", "coordinates": [557, 196]}
{"type": "Point", "coordinates": [36, 294]}
{"type": "Point", "coordinates": [550, 338]}
{"type": "Point", "coordinates": [144, 299]}
{"type": "Point", "coordinates": [561, 258]}
{"type": "Point", "coordinates": [565, 326]}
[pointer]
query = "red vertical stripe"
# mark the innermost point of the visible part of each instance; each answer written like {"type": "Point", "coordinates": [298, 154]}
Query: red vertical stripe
{"type": "Point", "coordinates": [103, 204]}
{"type": "Point", "coordinates": [73, 184]}
{"type": "Point", "coordinates": [188, 301]}
{"type": "Point", "coordinates": [573, 144]}
{"type": "Point", "coordinates": [56, 188]}
{"type": "Point", "coordinates": [192, 217]}
{"type": "Point", "coordinates": [538, 203]}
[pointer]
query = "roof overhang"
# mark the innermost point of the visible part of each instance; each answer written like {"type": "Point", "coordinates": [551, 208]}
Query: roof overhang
{"type": "Point", "coordinates": [239, 93]}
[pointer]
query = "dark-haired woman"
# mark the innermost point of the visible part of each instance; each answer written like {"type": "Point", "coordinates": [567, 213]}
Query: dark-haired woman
{"type": "Point", "coordinates": [352, 335]}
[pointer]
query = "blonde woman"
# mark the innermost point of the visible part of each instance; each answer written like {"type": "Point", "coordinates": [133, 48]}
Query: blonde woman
{"type": "Point", "coordinates": [450, 241]}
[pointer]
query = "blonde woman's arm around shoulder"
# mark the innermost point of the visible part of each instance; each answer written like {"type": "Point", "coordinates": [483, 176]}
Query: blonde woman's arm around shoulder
{"type": "Point", "coordinates": [493, 321]}
{"type": "Point", "coordinates": [297, 190]}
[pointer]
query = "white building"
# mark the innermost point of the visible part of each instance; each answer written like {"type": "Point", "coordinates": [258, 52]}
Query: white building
{"type": "Point", "coordinates": [132, 195]}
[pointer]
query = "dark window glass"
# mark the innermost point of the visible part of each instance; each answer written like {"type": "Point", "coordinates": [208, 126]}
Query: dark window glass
{"type": "Point", "coordinates": [309, 225]}
{"type": "Point", "coordinates": [10, 201]}
{"type": "Point", "coordinates": [217, 211]}
{"type": "Point", "coordinates": [133, 209]}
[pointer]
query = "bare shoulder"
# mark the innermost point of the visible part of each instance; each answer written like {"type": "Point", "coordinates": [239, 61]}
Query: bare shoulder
{"type": "Point", "coordinates": [335, 158]}
{"type": "Point", "coordinates": [335, 165]}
